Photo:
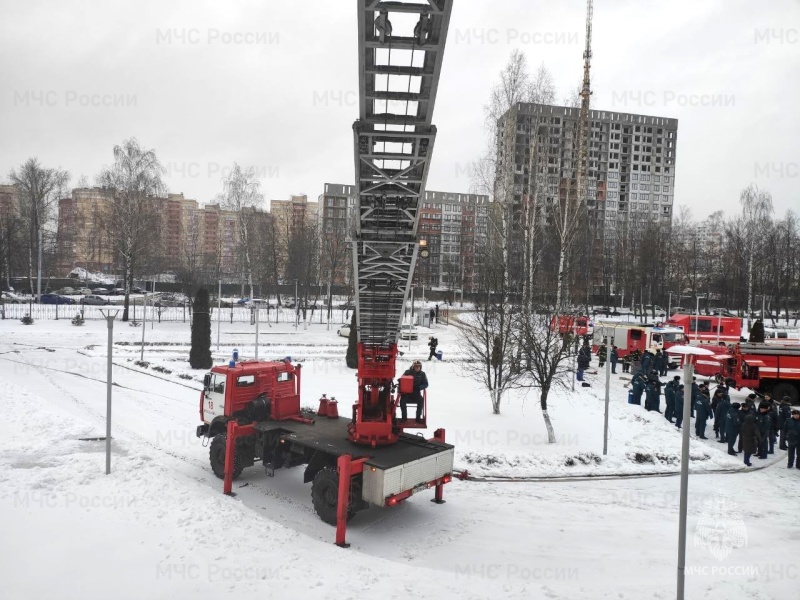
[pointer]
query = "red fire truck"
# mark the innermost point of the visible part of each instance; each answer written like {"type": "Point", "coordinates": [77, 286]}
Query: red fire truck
{"type": "Point", "coordinates": [773, 368]}
{"type": "Point", "coordinates": [628, 337]}
{"type": "Point", "coordinates": [708, 329]}
{"type": "Point", "coordinates": [254, 407]}
{"type": "Point", "coordinates": [571, 324]}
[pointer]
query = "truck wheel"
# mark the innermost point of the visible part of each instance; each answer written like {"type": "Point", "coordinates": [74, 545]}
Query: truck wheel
{"type": "Point", "coordinates": [325, 495]}
{"type": "Point", "coordinates": [786, 389]}
{"type": "Point", "coordinates": [217, 457]}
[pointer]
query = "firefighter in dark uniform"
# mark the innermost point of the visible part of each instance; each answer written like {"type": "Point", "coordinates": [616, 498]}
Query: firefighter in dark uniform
{"type": "Point", "coordinates": [784, 414]}
{"type": "Point", "coordinates": [733, 423]}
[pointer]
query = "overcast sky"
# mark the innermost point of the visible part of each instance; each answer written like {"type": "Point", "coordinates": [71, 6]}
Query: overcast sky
{"type": "Point", "coordinates": [274, 85]}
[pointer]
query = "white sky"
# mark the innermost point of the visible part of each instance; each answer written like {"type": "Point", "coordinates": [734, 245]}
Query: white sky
{"type": "Point", "coordinates": [203, 104]}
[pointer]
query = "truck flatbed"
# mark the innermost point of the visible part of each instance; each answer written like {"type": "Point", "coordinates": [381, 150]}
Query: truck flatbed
{"type": "Point", "coordinates": [330, 435]}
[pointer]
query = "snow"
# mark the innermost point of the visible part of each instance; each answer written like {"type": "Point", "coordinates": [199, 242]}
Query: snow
{"type": "Point", "coordinates": [159, 526]}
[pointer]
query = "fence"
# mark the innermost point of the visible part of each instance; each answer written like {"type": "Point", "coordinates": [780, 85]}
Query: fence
{"type": "Point", "coordinates": [236, 314]}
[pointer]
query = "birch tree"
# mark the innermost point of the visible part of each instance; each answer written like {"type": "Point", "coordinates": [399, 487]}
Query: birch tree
{"type": "Point", "coordinates": [242, 194]}
{"type": "Point", "coordinates": [38, 192]}
{"type": "Point", "coordinates": [133, 221]}
{"type": "Point", "coordinates": [752, 224]}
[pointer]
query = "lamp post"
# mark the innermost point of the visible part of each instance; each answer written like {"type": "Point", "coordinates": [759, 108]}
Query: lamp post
{"type": "Point", "coordinates": [689, 353]}
{"type": "Point", "coordinates": [697, 317]}
{"type": "Point", "coordinates": [669, 306]}
{"type": "Point", "coordinates": [219, 309]}
{"type": "Point", "coordinates": [296, 307]}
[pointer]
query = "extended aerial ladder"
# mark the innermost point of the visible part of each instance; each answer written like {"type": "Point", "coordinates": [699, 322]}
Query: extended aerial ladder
{"type": "Point", "coordinates": [401, 46]}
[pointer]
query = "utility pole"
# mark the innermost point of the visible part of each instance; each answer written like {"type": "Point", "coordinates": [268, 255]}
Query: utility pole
{"type": "Point", "coordinates": [144, 323]}
{"type": "Point", "coordinates": [255, 309]}
{"type": "Point", "coordinates": [39, 272]}
{"type": "Point", "coordinates": [109, 315]}
{"type": "Point", "coordinates": [296, 306]}
{"type": "Point", "coordinates": [219, 309]}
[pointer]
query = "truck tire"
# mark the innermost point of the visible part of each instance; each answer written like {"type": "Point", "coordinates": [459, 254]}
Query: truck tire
{"type": "Point", "coordinates": [216, 456]}
{"type": "Point", "coordinates": [786, 389]}
{"type": "Point", "coordinates": [325, 496]}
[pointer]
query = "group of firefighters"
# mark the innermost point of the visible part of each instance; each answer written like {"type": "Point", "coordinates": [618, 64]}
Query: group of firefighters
{"type": "Point", "coordinates": [756, 427]}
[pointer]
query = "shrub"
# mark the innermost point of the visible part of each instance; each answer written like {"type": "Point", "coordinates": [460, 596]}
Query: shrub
{"type": "Point", "coordinates": [27, 320]}
{"type": "Point", "coordinates": [200, 354]}
{"type": "Point", "coordinates": [352, 345]}
{"type": "Point", "coordinates": [78, 320]}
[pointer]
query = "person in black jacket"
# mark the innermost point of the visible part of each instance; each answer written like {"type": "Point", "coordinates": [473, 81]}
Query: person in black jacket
{"type": "Point", "coordinates": [679, 393]}
{"type": "Point", "coordinates": [432, 343]}
{"type": "Point", "coordinates": [420, 383]}
{"type": "Point", "coordinates": [669, 395]}
{"type": "Point", "coordinates": [751, 438]}
{"type": "Point", "coordinates": [733, 423]}
{"type": "Point", "coordinates": [720, 414]}
{"type": "Point", "coordinates": [702, 408]}
{"type": "Point", "coordinates": [792, 434]}
{"type": "Point", "coordinates": [784, 414]}
{"type": "Point", "coordinates": [764, 423]}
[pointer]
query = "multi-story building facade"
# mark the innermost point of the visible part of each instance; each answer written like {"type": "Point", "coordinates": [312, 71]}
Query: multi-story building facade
{"type": "Point", "coordinates": [291, 216]}
{"type": "Point", "coordinates": [335, 215]}
{"type": "Point", "coordinates": [83, 236]}
{"type": "Point", "coordinates": [454, 228]}
{"type": "Point", "coordinates": [630, 171]}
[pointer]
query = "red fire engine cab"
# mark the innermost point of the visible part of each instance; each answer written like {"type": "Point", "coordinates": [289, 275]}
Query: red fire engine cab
{"type": "Point", "coordinates": [708, 329]}
{"type": "Point", "coordinates": [761, 367]}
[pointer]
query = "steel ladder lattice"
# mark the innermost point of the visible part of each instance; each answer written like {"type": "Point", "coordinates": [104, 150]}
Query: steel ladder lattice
{"type": "Point", "coordinates": [401, 45]}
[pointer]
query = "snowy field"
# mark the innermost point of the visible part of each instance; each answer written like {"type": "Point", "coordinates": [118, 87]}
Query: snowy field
{"type": "Point", "coordinates": [159, 526]}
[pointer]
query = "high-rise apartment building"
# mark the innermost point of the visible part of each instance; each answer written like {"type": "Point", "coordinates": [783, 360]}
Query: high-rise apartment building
{"type": "Point", "coordinates": [630, 176]}
{"type": "Point", "coordinates": [335, 218]}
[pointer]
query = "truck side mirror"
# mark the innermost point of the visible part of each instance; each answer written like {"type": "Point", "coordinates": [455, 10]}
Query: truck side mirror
{"type": "Point", "coordinates": [207, 381]}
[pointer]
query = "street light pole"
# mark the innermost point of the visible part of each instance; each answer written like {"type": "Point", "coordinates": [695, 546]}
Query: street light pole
{"type": "Point", "coordinates": [109, 316]}
{"type": "Point", "coordinates": [689, 353]}
{"type": "Point", "coordinates": [219, 309]}
{"type": "Point", "coordinates": [669, 306]}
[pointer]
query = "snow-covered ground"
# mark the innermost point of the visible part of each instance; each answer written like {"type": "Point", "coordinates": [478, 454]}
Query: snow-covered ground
{"type": "Point", "coordinates": [159, 526]}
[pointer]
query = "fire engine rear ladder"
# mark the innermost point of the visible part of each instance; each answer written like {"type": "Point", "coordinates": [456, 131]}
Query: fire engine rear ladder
{"type": "Point", "coordinates": [401, 45]}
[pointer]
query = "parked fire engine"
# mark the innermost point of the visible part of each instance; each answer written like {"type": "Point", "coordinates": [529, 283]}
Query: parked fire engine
{"type": "Point", "coordinates": [251, 409]}
{"type": "Point", "coordinates": [761, 367]}
{"type": "Point", "coordinates": [628, 337]}
{"type": "Point", "coordinates": [708, 329]}
{"type": "Point", "coordinates": [579, 325]}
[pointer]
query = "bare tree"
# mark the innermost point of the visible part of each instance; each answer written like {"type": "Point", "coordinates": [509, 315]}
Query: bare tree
{"type": "Point", "coordinates": [545, 357]}
{"type": "Point", "coordinates": [38, 191]}
{"type": "Point", "coordinates": [133, 221]}
{"type": "Point", "coordinates": [241, 194]}
{"type": "Point", "coordinates": [754, 220]}
{"type": "Point", "coordinates": [487, 334]}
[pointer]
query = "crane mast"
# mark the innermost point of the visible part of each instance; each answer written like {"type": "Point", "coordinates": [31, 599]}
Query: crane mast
{"type": "Point", "coordinates": [401, 46]}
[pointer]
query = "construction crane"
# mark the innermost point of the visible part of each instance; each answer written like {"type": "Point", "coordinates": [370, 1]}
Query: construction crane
{"type": "Point", "coordinates": [400, 59]}
{"type": "Point", "coordinates": [584, 138]}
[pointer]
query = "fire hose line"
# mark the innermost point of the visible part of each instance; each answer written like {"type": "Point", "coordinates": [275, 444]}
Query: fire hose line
{"type": "Point", "coordinates": [465, 476]}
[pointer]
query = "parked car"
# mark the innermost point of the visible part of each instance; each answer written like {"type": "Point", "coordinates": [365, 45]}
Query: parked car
{"type": "Point", "coordinates": [407, 332]}
{"type": "Point", "coordinates": [95, 300]}
{"type": "Point", "coordinates": [11, 298]}
{"type": "Point", "coordinates": [344, 331]}
{"type": "Point", "coordinates": [56, 299]}
{"type": "Point", "coordinates": [117, 292]}
{"type": "Point", "coordinates": [84, 291]}
{"type": "Point", "coordinates": [66, 291]}
{"type": "Point", "coordinates": [137, 290]}
{"type": "Point", "coordinates": [100, 291]}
